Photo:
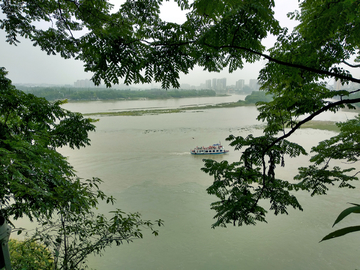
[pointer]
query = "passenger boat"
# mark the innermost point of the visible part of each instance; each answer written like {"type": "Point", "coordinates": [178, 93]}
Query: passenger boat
{"type": "Point", "coordinates": [214, 149]}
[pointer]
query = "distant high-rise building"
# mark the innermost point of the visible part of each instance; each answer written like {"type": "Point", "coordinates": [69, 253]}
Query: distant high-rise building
{"type": "Point", "coordinates": [208, 84]}
{"type": "Point", "coordinates": [84, 84]}
{"type": "Point", "coordinates": [214, 86]}
{"type": "Point", "coordinates": [253, 83]}
{"type": "Point", "coordinates": [240, 84]}
{"type": "Point", "coordinates": [221, 84]}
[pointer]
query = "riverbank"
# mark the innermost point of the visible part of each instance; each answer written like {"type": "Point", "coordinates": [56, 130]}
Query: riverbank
{"type": "Point", "coordinates": [322, 125]}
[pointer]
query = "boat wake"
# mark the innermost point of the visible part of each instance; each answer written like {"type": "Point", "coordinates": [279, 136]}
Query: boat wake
{"type": "Point", "coordinates": [180, 153]}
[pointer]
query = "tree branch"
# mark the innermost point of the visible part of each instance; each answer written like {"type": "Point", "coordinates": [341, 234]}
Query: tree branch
{"type": "Point", "coordinates": [350, 65]}
{"type": "Point", "coordinates": [355, 91]}
{"type": "Point", "coordinates": [310, 117]}
{"type": "Point", "coordinates": [297, 126]}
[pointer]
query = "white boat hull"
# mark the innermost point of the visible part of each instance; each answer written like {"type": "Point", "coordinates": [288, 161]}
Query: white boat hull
{"type": "Point", "coordinates": [215, 149]}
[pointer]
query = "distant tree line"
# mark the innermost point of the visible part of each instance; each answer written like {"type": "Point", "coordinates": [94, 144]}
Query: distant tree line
{"type": "Point", "coordinates": [76, 94]}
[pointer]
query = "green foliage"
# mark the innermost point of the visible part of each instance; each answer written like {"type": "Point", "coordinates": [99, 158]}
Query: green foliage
{"type": "Point", "coordinates": [72, 235]}
{"type": "Point", "coordinates": [29, 255]}
{"type": "Point", "coordinates": [334, 25]}
{"type": "Point", "coordinates": [38, 182]}
{"type": "Point", "coordinates": [35, 176]}
{"type": "Point", "coordinates": [257, 96]}
{"type": "Point", "coordinates": [294, 77]}
{"type": "Point", "coordinates": [135, 44]}
{"type": "Point", "coordinates": [344, 146]}
{"type": "Point", "coordinates": [240, 185]}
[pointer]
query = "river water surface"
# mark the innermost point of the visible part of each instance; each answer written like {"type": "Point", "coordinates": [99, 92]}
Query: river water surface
{"type": "Point", "coordinates": [146, 165]}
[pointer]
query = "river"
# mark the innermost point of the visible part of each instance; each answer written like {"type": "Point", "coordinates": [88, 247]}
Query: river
{"type": "Point", "coordinates": [146, 165]}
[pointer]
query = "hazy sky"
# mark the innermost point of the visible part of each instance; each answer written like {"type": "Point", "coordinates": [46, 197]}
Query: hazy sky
{"type": "Point", "coordinates": [28, 64]}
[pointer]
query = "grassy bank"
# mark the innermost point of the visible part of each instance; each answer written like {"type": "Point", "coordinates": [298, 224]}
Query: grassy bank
{"type": "Point", "coordinates": [322, 125]}
{"type": "Point", "coordinates": [177, 110]}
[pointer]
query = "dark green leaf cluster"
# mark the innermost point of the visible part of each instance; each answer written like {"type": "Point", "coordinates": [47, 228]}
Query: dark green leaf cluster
{"type": "Point", "coordinates": [237, 204]}
{"type": "Point", "coordinates": [319, 48]}
{"type": "Point", "coordinates": [334, 25]}
{"type": "Point", "coordinates": [64, 18]}
{"type": "Point", "coordinates": [344, 146]}
{"type": "Point", "coordinates": [241, 185]}
{"type": "Point", "coordinates": [38, 182]}
{"type": "Point", "coordinates": [34, 176]}
{"type": "Point", "coordinates": [135, 44]}
{"type": "Point", "coordinates": [231, 32]}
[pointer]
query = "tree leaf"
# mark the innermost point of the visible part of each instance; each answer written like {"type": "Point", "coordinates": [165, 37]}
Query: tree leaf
{"type": "Point", "coordinates": [346, 212]}
{"type": "Point", "coordinates": [341, 232]}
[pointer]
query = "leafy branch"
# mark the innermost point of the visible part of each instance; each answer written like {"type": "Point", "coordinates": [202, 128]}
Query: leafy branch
{"type": "Point", "coordinates": [310, 117]}
{"type": "Point", "coordinates": [292, 130]}
{"type": "Point", "coordinates": [288, 64]}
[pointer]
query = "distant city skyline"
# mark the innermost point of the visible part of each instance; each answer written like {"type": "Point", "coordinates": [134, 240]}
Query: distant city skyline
{"type": "Point", "coordinates": [220, 84]}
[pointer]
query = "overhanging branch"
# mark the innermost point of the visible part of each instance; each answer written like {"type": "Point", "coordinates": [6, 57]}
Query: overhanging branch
{"type": "Point", "coordinates": [350, 65]}
{"type": "Point", "coordinates": [297, 126]}
{"type": "Point", "coordinates": [310, 117]}
{"type": "Point", "coordinates": [319, 71]}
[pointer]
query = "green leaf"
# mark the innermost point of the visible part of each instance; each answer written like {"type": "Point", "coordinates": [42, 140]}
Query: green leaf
{"type": "Point", "coordinates": [346, 212]}
{"type": "Point", "coordinates": [341, 232]}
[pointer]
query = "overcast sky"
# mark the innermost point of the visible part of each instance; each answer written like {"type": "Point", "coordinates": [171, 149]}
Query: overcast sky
{"type": "Point", "coordinates": [28, 64]}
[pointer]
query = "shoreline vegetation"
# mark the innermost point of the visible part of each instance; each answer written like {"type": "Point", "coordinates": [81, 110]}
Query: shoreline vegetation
{"type": "Point", "coordinates": [103, 94]}
{"type": "Point", "coordinates": [171, 110]}
{"type": "Point", "coordinates": [314, 124]}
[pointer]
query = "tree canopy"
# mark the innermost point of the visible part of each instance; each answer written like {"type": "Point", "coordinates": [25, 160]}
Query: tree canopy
{"type": "Point", "coordinates": [135, 44]}
{"type": "Point", "coordinates": [38, 182]}
{"type": "Point", "coordinates": [36, 179]}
